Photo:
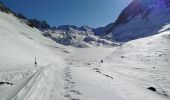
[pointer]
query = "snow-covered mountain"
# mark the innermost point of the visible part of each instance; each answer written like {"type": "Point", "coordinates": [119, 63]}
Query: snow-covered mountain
{"type": "Point", "coordinates": [76, 36]}
{"type": "Point", "coordinates": [141, 18]}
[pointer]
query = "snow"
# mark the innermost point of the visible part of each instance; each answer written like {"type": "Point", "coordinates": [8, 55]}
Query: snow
{"type": "Point", "coordinates": [69, 73]}
{"type": "Point", "coordinates": [144, 61]}
{"type": "Point", "coordinates": [113, 79]}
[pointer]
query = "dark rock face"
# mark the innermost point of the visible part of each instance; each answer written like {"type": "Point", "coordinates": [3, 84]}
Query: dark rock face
{"type": "Point", "coordinates": [38, 24]}
{"type": "Point", "coordinates": [70, 27]}
{"type": "Point", "coordinates": [31, 22]}
{"type": "Point", "coordinates": [3, 8]}
{"type": "Point", "coordinates": [2, 83]}
{"type": "Point", "coordinates": [99, 31]}
{"type": "Point", "coordinates": [21, 16]}
{"type": "Point", "coordinates": [167, 2]}
{"type": "Point", "coordinates": [67, 27]}
{"type": "Point", "coordinates": [152, 89]}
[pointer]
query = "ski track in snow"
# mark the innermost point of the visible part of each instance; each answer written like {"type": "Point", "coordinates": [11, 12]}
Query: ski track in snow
{"type": "Point", "coordinates": [43, 85]}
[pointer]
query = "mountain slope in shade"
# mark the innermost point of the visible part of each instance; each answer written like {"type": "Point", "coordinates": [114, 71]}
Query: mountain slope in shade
{"type": "Point", "coordinates": [141, 18]}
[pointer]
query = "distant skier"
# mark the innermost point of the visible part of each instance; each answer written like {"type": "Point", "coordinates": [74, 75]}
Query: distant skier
{"type": "Point", "coordinates": [101, 61]}
{"type": "Point", "coordinates": [35, 62]}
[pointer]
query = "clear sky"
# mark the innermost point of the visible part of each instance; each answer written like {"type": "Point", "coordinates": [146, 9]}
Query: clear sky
{"type": "Point", "coordinates": [93, 13]}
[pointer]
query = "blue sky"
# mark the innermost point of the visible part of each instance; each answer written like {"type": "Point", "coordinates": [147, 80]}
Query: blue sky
{"type": "Point", "coordinates": [93, 13]}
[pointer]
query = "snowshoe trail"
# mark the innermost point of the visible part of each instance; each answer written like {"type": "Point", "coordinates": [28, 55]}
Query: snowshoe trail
{"type": "Point", "coordinates": [70, 92]}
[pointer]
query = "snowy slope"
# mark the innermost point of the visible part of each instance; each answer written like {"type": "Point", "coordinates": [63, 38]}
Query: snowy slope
{"type": "Point", "coordinates": [89, 79]}
{"type": "Point", "coordinates": [145, 61]}
{"type": "Point", "coordinates": [19, 45]}
{"type": "Point", "coordinates": [150, 50]}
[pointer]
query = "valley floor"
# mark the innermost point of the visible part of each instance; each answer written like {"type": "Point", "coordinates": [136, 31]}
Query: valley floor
{"type": "Point", "coordinates": [82, 76]}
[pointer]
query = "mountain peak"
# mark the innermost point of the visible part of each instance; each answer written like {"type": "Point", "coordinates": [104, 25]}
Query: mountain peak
{"type": "Point", "coordinates": [73, 27]}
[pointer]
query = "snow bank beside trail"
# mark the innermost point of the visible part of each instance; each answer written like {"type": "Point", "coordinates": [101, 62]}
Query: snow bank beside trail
{"type": "Point", "coordinates": [20, 44]}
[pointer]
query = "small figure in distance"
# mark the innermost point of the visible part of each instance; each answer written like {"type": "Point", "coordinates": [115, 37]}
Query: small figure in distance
{"type": "Point", "coordinates": [101, 61]}
{"type": "Point", "coordinates": [35, 62]}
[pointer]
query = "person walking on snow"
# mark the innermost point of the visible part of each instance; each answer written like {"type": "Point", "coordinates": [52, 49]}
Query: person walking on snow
{"type": "Point", "coordinates": [101, 61]}
{"type": "Point", "coordinates": [35, 62]}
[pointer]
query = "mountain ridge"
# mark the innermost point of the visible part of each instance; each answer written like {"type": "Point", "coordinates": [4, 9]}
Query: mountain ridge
{"type": "Point", "coordinates": [125, 27]}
